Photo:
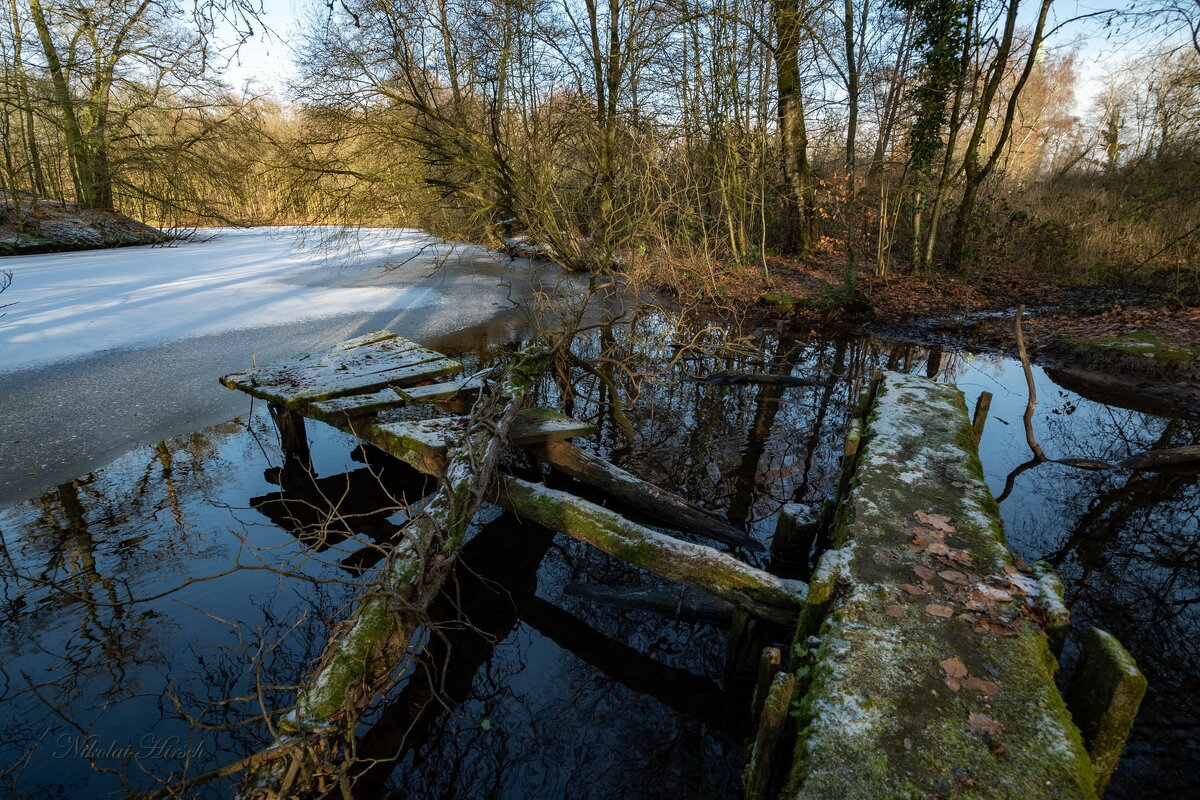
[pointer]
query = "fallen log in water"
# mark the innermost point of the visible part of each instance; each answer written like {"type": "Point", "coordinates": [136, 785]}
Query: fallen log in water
{"type": "Point", "coordinates": [639, 494]}
{"type": "Point", "coordinates": [727, 377]}
{"type": "Point", "coordinates": [695, 565]}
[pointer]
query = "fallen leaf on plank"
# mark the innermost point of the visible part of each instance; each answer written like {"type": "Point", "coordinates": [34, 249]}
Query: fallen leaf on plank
{"type": "Point", "coordinates": [954, 667]}
{"type": "Point", "coordinates": [979, 684]}
{"type": "Point", "coordinates": [983, 724]}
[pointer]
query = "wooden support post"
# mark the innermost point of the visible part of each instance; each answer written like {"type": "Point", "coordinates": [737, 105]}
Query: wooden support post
{"type": "Point", "coordinates": [795, 534]}
{"type": "Point", "coordinates": [743, 645]}
{"type": "Point", "coordinates": [1103, 696]}
{"type": "Point", "coordinates": [979, 418]}
{"type": "Point", "coordinates": [292, 437]}
{"type": "Point", "coordinates": [849, 453]}
{"type": "Point", "coordinates": [769, 665]}
{"type": "Point", "coordinates": [757, 778]}
{"type": "Point", "coordinates": [293, 441]}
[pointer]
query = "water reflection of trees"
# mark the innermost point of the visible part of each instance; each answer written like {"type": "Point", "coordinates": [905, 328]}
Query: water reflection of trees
{"type": "Point", "coordinates": [1128, 546]}
{"type": "Point", "coordinates": [81, 656]}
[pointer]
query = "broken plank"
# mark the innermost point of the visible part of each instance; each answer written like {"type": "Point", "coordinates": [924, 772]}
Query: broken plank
{"type": "Point", "coordinates": [695, 565]}
{"type": "Point", "coordinates": [641, 495]}
{"type": "Point", "coordinates": [436, 392]}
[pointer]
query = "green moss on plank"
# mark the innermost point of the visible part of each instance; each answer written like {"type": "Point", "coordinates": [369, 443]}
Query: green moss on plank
{"type": "Point", "coordinates": [877, 717]}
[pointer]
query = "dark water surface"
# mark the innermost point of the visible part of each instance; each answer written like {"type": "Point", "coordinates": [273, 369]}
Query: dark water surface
{"type": "Point", "coordinates": [156, 605]}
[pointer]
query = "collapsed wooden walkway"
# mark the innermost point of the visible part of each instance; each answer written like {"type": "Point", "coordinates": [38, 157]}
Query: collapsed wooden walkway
{"type": "Point", "coordinates": [921, 660]}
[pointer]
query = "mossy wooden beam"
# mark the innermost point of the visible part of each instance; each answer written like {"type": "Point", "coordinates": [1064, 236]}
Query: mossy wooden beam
{"type": "Point", "coordinates": [695, 565]}
{"type": "Point", "coordinates": [361, 405]}
{"type": "Point", "coordinates": [639, 494]}
{"type": "Point", "coordinates": [1104, 695]}
{"type": "Point", "coordinates": [930, 674]}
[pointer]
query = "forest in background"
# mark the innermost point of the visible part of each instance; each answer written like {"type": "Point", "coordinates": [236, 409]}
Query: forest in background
{"type": "Point", "coordinates": [689, 142]}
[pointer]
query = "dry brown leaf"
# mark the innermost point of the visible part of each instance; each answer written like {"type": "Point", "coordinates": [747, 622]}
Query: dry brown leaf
{"type": "Point", "coordinates": [983, 724]}
{"type": "Point", "coordinates": [913, 590]}
{"type": "Point", "coordinates": [954, 667]}
{"type": "Point", "coordinates": [894, 610]}
{"type": "Point", "coordinates": [952, 683]}
{"type": "Point", "coordinates": [938, 548]}
{"type": "Point", "coordinates": [953, 575]}
{"type": "Point", "coordinates": [945, 612]}
{"type": "Point", "coordinates": [924, 571]}
{"type": "Point", "coordinates": [987, 687]}
{"type": "Point", "coordinates": [936, 521]}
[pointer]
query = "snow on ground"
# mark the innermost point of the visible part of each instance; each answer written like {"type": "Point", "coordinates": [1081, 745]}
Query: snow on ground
{"type": "Point", "coordinates": [73, 304]}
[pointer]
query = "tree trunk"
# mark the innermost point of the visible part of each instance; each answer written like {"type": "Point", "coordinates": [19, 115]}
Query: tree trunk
{"type": "Point", "coordinates": [801, 227]}
{"type": "Point", "coordinates": [977, 171]}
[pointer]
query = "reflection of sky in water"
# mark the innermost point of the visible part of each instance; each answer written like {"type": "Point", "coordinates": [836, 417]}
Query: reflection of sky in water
{"type": "Point", "coordinates": [553, 695]}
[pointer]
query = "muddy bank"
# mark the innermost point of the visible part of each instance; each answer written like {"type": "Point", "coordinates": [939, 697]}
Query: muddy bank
{"type": "Point", "coordinates": [28, 227]}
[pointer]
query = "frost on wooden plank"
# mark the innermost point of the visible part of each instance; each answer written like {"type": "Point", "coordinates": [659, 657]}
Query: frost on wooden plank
{"type": "Point", "coordinates": [924, 578]}
{"type": "Point", "coordinates": [358, 405]}
{"type": "Point", "coordinates": [423, 443]}
{"type": "Point", "coordinates": [359, 366]}
{"type": "Point", "coordinates": [443, 391]}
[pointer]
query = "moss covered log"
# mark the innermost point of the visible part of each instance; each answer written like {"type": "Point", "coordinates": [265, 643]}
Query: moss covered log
{"type": "Point", "coordinates": [692, 564]}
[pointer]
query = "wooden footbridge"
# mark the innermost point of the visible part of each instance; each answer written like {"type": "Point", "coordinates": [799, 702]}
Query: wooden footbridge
{"type": "Point", "coordinates": [918, 661]}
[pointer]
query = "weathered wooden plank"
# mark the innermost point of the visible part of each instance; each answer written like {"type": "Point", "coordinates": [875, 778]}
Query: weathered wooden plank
{"type": "Point", "coordinates": [422, 443]}
{"type": "Point", "coordinates": [927, 668]}
{"type": "Point", "coordinates": [641, 495]}
{"type": "Point", "coordinates": [390, 397]}
{"type": "Point", "coordinates": [358, 405]}
{"type": "Point", "coordinates": [359, 366]}
{"type": "Point", "coordinates": [435, 392]}
{"type": "Point", "coordinates": [695, 565]}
